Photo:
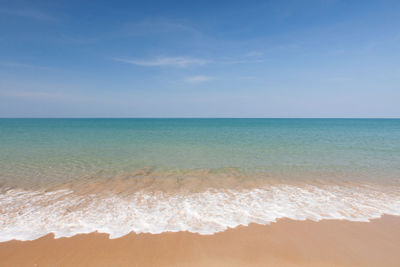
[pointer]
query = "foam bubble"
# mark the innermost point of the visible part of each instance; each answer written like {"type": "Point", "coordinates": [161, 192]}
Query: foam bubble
{"type": "Point", "coordinates": [28, 215]}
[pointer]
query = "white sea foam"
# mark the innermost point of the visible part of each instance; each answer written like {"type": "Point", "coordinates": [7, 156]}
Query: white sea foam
{"type": "Point", "coordinates": [28, 215]}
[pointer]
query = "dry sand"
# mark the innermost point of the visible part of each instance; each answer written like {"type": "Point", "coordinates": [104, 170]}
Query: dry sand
{"type": "Point", "coordinates": [285, 243]}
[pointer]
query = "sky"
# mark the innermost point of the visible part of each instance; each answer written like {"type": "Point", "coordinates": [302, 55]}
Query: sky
{"type": "Point", "coordinates": [310, 58]}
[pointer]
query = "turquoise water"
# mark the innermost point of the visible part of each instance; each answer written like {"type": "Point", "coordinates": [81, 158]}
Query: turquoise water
{"type": "Point", "coordinates": [61, 149]}
{"type": "Point", "coordinates": [70, 176]}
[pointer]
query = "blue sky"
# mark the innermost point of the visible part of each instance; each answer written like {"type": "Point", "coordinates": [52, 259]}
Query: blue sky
{"type": "Point", "coordinates": [320, 58]}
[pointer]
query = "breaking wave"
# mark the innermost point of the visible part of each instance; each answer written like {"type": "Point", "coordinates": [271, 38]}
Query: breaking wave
{"type": "Point", "coordinates": [29, 214]}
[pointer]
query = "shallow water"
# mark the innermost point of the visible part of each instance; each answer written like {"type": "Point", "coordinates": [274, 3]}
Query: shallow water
{"type": "Point", "coordinates": [70, 176]}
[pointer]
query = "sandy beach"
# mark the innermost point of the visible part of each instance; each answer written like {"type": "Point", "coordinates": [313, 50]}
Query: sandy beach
{"type": "Point", "coordinates": [199, 133]}
{"type": "Point", "coordinates": [285, 243]}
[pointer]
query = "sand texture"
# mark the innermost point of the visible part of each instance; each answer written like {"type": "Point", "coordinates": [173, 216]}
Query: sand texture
{"type": "Point", "coordinates": [285, 243]}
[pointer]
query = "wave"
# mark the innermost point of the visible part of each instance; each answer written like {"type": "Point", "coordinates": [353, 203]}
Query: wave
{"type": "Point", "coordinates": [29, 214]}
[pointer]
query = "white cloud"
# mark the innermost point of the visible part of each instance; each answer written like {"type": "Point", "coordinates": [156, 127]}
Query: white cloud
{"type": "Point", "coordinates": [165, 61]}
{"type": "Point", "coordinates": [199, 79]}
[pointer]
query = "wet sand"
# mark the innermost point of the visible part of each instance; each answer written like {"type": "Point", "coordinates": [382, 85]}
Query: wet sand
{"type": "Point", "coordinates": [285, 243]}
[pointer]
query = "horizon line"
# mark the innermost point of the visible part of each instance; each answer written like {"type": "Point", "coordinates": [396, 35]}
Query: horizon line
{"type": "Point", "coordinates": [199, 117]}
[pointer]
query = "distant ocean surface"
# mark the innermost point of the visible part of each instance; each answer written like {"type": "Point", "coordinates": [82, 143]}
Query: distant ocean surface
{"type": "Point", "coordinates": [69, 176]}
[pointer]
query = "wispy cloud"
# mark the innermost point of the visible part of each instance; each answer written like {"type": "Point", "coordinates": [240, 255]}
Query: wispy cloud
{"type": "Point", "coordinates": [27, 13]}
{"type": "Point", "coordinates": [199, 79]}
{"type": "Point", "coordinates": [183, 62]}
{"type": "Point", "coordinates": [165, 61]}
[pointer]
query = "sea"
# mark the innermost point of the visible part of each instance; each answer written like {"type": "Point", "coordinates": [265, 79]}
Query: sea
{"type": "Point", "coordinates": [116, 176]}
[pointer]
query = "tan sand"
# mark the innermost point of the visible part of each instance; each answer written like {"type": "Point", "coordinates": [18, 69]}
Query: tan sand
{"type": "Point", "coordinates": [285, 243]}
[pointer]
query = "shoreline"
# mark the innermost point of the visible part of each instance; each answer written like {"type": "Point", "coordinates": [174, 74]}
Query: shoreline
{"type": "Point", "coordinates": [116, 209]}
{"type": "Point", "coordinates": [284, 243]}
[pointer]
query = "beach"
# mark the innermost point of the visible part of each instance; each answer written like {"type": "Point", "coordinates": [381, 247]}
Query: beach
{"type": "Point", "coordinates": [199, 133]}
{"type": "Point", "coordinates": [199, 192]}
{"type": "Point", "coordinates": [285, 243]}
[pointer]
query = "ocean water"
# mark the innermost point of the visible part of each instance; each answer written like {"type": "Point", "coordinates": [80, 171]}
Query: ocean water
{"type": "Point", "coordinates": [69, 176]}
